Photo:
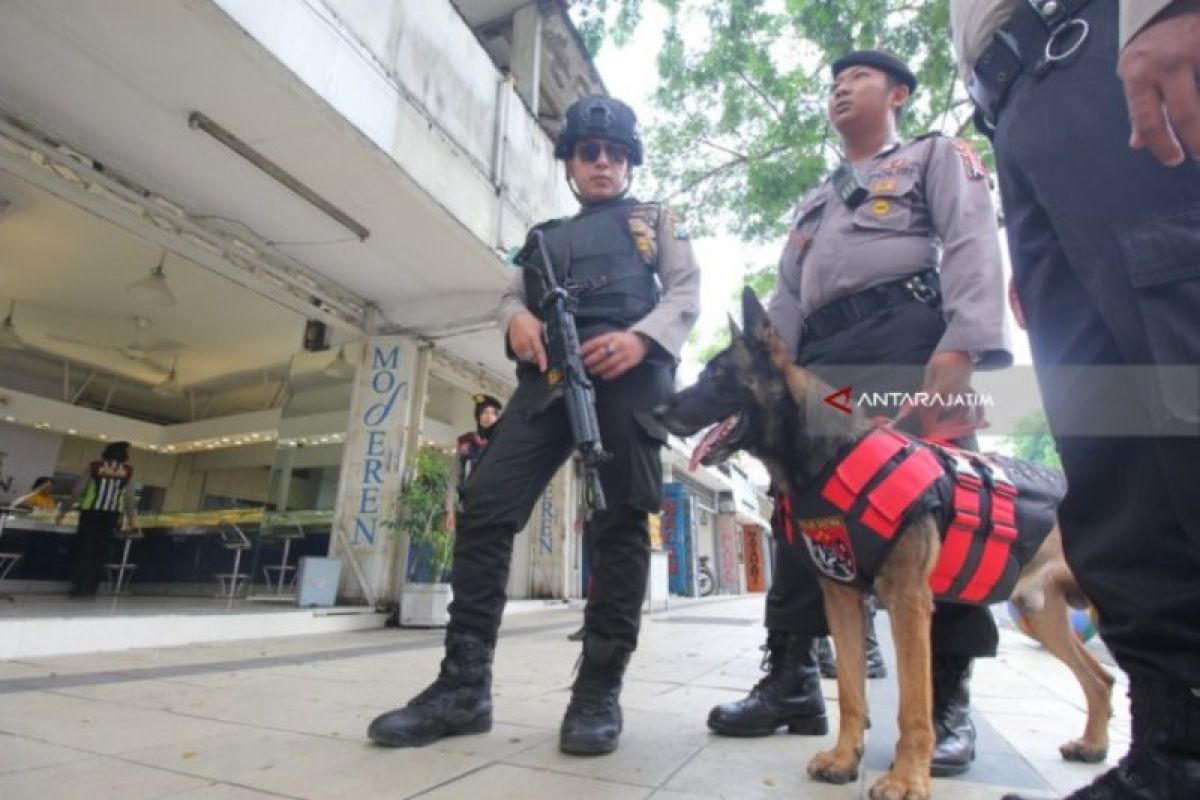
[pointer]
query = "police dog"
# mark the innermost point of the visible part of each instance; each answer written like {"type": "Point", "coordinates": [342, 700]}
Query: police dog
{"type": "Point", "coordinates": [757, 400]}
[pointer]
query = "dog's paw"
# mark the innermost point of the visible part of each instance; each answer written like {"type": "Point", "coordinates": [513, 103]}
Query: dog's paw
{"type": "Point", "coordinates": [895, 786]}
{"type": "Point", "coordinates": [1084, 753]}
{"type": "Point", "coordinates": [833, 766]}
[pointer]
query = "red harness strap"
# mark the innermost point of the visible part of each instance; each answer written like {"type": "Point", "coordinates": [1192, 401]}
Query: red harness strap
{"type": "Point", "coordinates": [999, 542]}
{"type": "Point", "coordinates": [888, 502]}
{"type": "Point", "coordinates": [855, 471]}
{"type": "Point", "coordinates": [961, 533]}
{"type": "Point", "coordinates": [783, 508]}
{"type": "Point", "coordinates": [895, 494]}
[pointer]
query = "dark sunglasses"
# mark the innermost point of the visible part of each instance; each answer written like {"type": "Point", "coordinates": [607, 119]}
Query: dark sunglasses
{"type": "Point", "coordinates": [589, 152]}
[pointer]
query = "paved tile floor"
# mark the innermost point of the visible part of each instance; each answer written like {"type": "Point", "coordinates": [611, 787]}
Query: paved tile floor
{"type": "Point", "coordinates": [285, 718]}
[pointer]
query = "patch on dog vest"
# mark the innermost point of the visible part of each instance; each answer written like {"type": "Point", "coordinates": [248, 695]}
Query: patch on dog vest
{"type": "Point", "coordinates": [828, 541]}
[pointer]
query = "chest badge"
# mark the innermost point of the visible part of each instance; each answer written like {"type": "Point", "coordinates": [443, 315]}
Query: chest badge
{"type": "Point", "coordinates": [884, 186]}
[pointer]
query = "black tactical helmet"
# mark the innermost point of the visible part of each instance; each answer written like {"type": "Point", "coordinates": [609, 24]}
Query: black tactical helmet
{"type": "Point", "coordinates": [602, 118]}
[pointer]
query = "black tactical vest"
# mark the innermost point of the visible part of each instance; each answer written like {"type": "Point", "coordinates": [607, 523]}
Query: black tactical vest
{"type": "Point", "coordinates": [595, 258]}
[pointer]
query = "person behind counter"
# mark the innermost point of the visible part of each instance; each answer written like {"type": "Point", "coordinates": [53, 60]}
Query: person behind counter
{"type": "Point", "coordinates": [40, 496]}
{"type": "Point", "coordinates": [105, 495]}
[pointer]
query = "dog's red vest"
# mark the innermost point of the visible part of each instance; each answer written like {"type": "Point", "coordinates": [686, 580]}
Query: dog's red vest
{"type": "Point", "coordinates": [993, 513]}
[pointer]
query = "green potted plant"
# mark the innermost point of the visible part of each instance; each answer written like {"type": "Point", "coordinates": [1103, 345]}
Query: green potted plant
{"type": "Point", "coordinates": [425, 596]}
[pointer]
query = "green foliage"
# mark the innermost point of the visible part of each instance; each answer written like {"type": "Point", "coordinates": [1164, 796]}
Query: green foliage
{"type": "Point", "coordinates": [1031, 441]}
{"type": "Point", "coordinates": [742, 87]}
{"type": "Point", "coordinates": [741, 93]}
{"type": "Point", "coordinates": [598, 20]}
{"type": "Point", "coordinates": [421, 515]}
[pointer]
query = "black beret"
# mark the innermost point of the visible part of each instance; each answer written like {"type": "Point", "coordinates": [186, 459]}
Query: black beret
{"type": "Point", "coordinates": [879, 60]}
{"type": "Point", "coordinates": [483, 401]}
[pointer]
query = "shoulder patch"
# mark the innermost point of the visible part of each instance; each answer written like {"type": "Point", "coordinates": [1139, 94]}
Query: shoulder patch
{"type": "Point", "coordinates": [972, 163]}
{"type": "Point", "coordinates": [645, 238]}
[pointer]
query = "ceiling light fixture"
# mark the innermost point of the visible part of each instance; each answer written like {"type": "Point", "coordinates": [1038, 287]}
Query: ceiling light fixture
{"type": "Point", "coordinates": [9, 339]}
{"type": "Point", "coordinates": [200, 122]}
{"type": "Point", "coordinates": [169, 387]}
{"type": "Point", "coordinates": [153, 289]}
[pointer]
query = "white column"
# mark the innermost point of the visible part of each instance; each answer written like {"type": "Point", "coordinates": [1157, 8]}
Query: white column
{"type": "Point", "coordinates": [372, 469]}
{"type": "Point", "coordinates": [526, 61]}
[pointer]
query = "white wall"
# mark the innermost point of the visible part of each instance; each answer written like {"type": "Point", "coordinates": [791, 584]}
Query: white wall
{"type": "Point", "coordinates": [413, 79]}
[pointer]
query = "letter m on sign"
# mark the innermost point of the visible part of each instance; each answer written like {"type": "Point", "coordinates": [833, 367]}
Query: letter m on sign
{"type": "Point", "coordinates": [385, 359]}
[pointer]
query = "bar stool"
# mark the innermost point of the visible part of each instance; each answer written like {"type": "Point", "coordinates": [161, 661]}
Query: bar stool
{"type": "Point", "coordinates": [116, 572]}
{"type": "Point", "coordinates": [9, 560]}
{"type": "Point", "coordinates": [282, 569]}
{"type": "Point", "coordinates": [232, 538]}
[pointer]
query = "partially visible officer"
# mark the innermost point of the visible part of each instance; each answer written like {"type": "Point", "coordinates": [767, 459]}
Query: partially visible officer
{"type": "Point", "coordinates": [472, 444]}
{"type": "Point", "coordinates": [638, 292]}
{"type": "Point", "coordinates": [1103, 219]}
{"type": "Point", "coordinates": [469, 449]}
{"type": "Point", "coordinates": [891, 281]}
{"type": "Point", "coordinates": [106, 501]}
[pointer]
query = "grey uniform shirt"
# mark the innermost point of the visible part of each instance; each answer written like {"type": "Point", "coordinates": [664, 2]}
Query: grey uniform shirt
{"type": "Point", "coordinates": [929, 206]}
{"type": "Point", "coordinates": [670, 250]}
{"type": "Point", "coordinates": [974, 22]}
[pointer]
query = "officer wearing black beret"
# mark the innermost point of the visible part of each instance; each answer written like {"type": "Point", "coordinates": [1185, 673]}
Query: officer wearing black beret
{"type": "Point", "coordinates": [890, 282]}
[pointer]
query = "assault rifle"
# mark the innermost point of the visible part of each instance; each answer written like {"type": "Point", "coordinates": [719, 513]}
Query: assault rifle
{"type": "Point", "coordinates": [567, 372]}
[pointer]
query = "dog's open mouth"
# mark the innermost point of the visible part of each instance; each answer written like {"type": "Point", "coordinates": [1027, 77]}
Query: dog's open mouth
{"type": "Point", "coordinates": [718, 442]}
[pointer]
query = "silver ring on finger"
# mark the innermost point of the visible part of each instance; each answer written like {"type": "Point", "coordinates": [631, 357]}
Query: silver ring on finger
{"type": "Point", "coordinates": [608, 348]}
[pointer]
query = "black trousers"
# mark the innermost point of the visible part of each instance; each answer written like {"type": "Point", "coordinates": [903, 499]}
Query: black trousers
{"type": "Point", "coordinates": [1105, 249]}
{"type": "Point", "coordinates": [530, 443]}
{"type": "Point", "coordinates": [93, 535]}
{"type": "Point", "coordinates": [884, 353]}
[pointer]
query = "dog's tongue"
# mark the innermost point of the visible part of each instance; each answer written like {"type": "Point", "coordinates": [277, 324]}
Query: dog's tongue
{"type": "Point", "coordinates": [714, 435]}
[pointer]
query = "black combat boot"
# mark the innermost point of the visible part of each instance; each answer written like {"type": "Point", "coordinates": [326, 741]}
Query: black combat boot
{"type": "Point", "coordinates": [954, 747]}
{"type": "Point", "coordinates": [876, 668]}
{"type": "Point", "coordinates": [578, 634]}
{"type": "Point", "coordinates": [789, 694]}
{"type": "Point", "coordinates": [592, 724]}
{"type": "Point", "coordinates": [459, 701]}
{"type": "Point", "coordinates": [1163, 762]}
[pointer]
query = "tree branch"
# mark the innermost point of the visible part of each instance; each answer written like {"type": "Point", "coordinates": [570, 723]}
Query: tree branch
{"type": "Point", "coordinates": [725, 167]}
{"type": "Point", "coordinates": [724, 149]}
{"type": "Point", "coordinates": [761, 94]}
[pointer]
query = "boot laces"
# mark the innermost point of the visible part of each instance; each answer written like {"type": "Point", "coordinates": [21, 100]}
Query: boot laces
{"type": "Point", "coordinates": [593, 693]}
{"type": "Point", "coordinates": [772, 661]}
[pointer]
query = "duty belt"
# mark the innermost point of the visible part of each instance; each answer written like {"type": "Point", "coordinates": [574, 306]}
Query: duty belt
{"type": "Point", "coordinates": [1041, 35]}
{"type": "Point", "coordinates": [922, 287]}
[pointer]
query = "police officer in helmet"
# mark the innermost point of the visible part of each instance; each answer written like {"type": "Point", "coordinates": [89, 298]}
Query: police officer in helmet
{"type": "Point", "coordinates": [890, 282]}
{"type": "Point", "coordinates": [637, 288]}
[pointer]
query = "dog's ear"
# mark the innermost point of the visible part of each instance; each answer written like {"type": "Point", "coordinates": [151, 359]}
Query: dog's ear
{"type": "Point", "coordinates": [735, 332]}
{"type": "Point", "coordinates": [754, 316]}
{"type": "Point", "coordinates": [760, 331]}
